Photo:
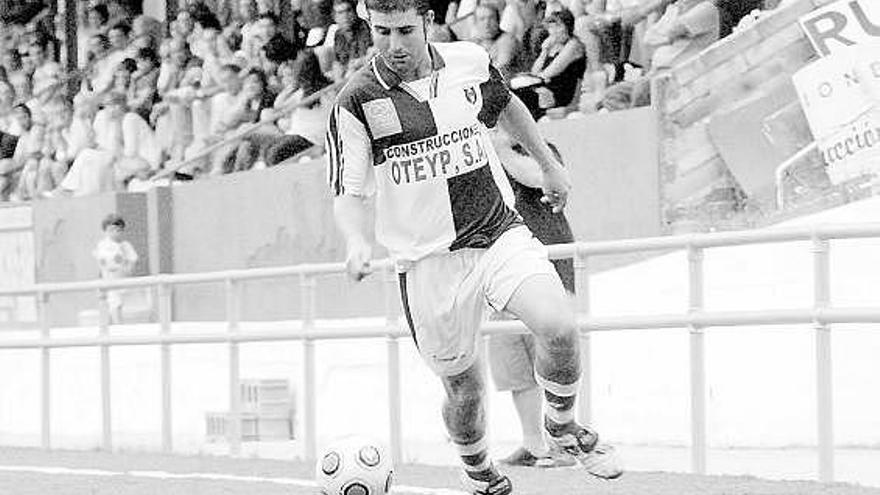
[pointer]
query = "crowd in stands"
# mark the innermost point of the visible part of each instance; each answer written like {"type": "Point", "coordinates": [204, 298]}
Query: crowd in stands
{"type": "Point", "coordinates": [231, 85]}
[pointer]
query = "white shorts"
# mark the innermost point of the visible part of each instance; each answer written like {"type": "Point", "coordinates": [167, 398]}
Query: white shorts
{"type": "Point", "coordinates": [447, 297]}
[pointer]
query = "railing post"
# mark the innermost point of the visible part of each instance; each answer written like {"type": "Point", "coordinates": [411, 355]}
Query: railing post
{"type": "Point", "coordinates": [233, 315]}
{"type": "Point", "coordinates": [698, 363]}
{"type": "Point", "coordinates": [395, 416]}
{"type": "Point", "coordinates": [824, 387]}
{"type": "Point", "coordinates": [103, 332]}
{"type": "Point", "coordinates": [45, 374]}
{"type": "Point", "coordinates": [164, 303]}
{"type": "Point", "coordinates": [308, 305]}
{"type": "Point", "coordinates": [582, 307]}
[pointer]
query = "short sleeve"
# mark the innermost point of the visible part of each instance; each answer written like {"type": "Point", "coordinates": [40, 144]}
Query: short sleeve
{"type": "Point", "coordinates": [496, 96]}
{"type": "Point", "coordinates": [350, 161]}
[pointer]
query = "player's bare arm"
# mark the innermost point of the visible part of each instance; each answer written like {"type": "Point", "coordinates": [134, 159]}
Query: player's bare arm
{"type": "Point", "coordinates": [352, 217]}
{"type": "Point", "coordinates": [556, 183]}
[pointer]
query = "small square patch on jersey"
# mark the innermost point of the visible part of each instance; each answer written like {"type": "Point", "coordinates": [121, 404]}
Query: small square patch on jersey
{"type": "Point", "coordinates": [382, 118]}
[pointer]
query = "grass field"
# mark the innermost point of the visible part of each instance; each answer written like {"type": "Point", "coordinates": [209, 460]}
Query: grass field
{"type": "Point", "coordinates": [32, 472]}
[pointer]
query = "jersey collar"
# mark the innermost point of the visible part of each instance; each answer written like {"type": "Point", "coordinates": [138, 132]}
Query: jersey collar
{"type": "Point", "coordinates": [389, 79]}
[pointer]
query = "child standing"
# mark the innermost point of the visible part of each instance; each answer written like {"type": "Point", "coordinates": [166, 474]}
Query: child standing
{"type": "Point", "coordinates": [116, 259]}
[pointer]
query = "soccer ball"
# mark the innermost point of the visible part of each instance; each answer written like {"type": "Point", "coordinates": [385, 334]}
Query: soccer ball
{"type": "Point", "coordinates": [354, 466]}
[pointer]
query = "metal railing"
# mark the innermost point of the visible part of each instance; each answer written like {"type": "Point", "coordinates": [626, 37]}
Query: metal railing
{"type": "Point", "coordinates": [820, 315]}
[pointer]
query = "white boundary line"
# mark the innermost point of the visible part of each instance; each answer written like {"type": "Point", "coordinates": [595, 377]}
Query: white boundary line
{"type": "Point", "coordinates": [164, 475]}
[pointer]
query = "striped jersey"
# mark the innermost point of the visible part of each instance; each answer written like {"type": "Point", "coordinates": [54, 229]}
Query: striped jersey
{"type": "Point", "coordinates": [422, 148]}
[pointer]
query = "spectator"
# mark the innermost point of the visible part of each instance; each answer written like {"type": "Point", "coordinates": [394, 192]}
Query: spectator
{"type": "Point", "coordinates": [273, 47]}
{"type": "Point", "coordinates": [17, 75]}
{"type": "Point", "coordinates": [304, 126]}
{"type": "Point", "coordinates": [352, 41]}
{"type": "Point", "coordinates": [101, 67]}
{"type": "Point", "coordinates": [252, 100]}
{"type": "Point", "coordinates": [18, 173]}
{"type": "Point", "coordinates": [143, 89]}
{"type": "Point", "coordinates": [608, 40]}
{"type": "Point", "coordinates": [317, 18]}
{"type": "Point", "coordinates": [120, 12]}
{"type": "Point", "coordinates": [96, 23]}
{"type": "Point", "coordinates": [47, 80]}
{"type": "Point", "coordinates": [684, 30]}
{"type": "Point", "coordinates": [118, 35]}
{"type": "Point", "coordinates": [502, 47]}
{"type": "Point", "coordinates": [8, 121]}
{"type": "Point", "coordinates": [116, 259]}
{"type": "Point", "coordinates": [558, 69]}
{"type": "Point", "coordinates": [146, 33]}
{"type": "Point", "coordinates": [65, 138]}
{"type": "Point", "coordinates": [247, 15]}
{"type": "Point", "coordinates": [122, 76]}
{"type": "Point", "coordinates": [92, 170]}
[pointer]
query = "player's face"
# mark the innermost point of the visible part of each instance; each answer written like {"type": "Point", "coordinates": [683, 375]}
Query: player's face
{"type": "Point", "coordinates": [114, 232]}
{"type": "Point", "coordinates": [401, 39]}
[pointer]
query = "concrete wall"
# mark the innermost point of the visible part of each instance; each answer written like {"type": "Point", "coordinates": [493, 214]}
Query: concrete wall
{"type": "Point", "coordinates": [283, 216]}
{"type": "Point", "coordinates": [17, 266]}
{"type": "Point", "coordinates": [66, 231]}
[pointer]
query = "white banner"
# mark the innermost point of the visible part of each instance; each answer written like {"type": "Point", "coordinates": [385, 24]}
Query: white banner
{"type": "Point", "coordinates": [840, 96]}
{"type": "Point", "coordinates": [842, 24]}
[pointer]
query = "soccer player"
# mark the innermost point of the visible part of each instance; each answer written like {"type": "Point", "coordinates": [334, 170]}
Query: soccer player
{"type": "Point", "coordinates": [410, 131]}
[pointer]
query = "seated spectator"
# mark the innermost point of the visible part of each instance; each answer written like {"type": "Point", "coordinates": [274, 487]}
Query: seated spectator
{"type": "Point", "coordinates": [352, 40]}
{"type": "Point", "coordinates": [95, 23]}
{"type": "Point", "coordinates": [247, 18]}
{"type": "Point", "coordinates": [608, 40]}
{"type": "Point", "coordinates": [558, 69]}
{"type": "Point", "coordinates": [684, 30]}
{"type": "Point", "coordinates": [101, 66]}
{"type": "Point", "coordinates": [303, 124]}
{"type": "Point", "coordinates": [65, 138]}
{"type": "Point", "coordinates": [273, 48]}
{"type": "Point", "coordinates": [120, 12]}
{"type": "Point", "coordinates": [143, 88]}
{"type": "Point", "coordinates": [93, 169]}
{"type": "Point", "coordinates": [317, 17]}
{"type": "Point", "coordinates": [171, 116]}
{"type": "Point", "coordinates": [146, 33]}
{"type": "Point", "coordinates": [501, 46]}
{"type": "Point", "coordinates": [16, 74]}
{"type": "Point", "coordinates": [252, 100]}
{"type": "Point", "coordinates": [122, 76]}
{"type": "Point", "coordinates": [8, 120]}
{"type": "Point", "coordinates": [18, 173]}
{"type": "Point", "coordinates": [119, 37]}
{"type": "Point", "coordinates": [47, 80]}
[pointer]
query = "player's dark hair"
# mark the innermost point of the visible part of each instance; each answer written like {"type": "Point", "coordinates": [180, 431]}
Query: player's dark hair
{"type": "Point", "coordinates": [112, 219]}
{"type": "Point", "coordinates": [388, 6]}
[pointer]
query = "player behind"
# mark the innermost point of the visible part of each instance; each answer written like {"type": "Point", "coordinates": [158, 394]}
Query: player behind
{"type": "Point", "coordinates": [409, 130]}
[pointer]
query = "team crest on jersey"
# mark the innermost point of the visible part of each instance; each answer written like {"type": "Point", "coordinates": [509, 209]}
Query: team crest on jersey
{"type": "Point", "coordinates": [471, 94]}
{"type": "Point", "coordinates": [382, 118]}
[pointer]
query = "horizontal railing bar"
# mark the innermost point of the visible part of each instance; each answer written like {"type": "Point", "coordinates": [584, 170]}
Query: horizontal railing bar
{"type": "Point", "coordinates": [702, 319]}
{"type": "Point", "coordinates": [718, 239]}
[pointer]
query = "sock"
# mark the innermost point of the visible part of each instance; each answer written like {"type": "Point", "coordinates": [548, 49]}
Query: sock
{"type": "Point", "coordinates": [477, 464]}
{"type": "Point", "coordinates": [559, 402]}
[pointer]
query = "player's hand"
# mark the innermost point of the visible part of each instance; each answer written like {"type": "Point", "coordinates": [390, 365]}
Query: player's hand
{"type": "Point", "coordinates": [358, 261]}
{"type": "Point", "coordinates": [556, 187]}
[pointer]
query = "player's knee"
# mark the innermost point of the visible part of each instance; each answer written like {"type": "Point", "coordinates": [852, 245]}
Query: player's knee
{"type": "Point", "coordinates": [556, 329]}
